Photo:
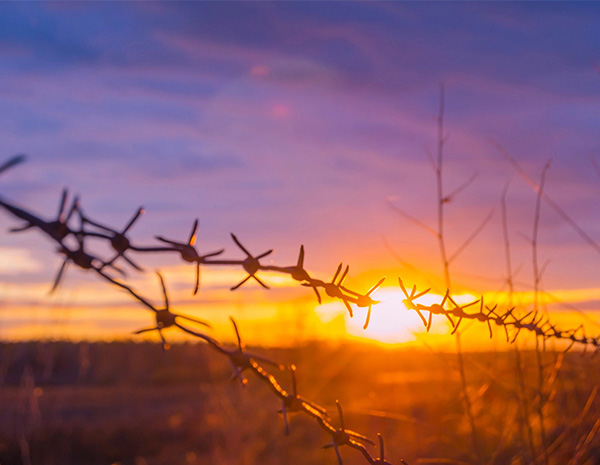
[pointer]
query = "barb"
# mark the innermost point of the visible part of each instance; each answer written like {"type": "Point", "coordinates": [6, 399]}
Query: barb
{"type": "Point", "coordinates": [240, 359]}
{"type": "Point", "coordinates": [334, 287]}
{"type": "Point", "coordinates": [189, 253]}
{"type": "Point", "coordinates": [297, 272]}
{"type": "Point", "coordinates": [80, 258]}
{"type": "Point", "coordinates": [364, 300]}
{"type": "Point", "coordinates": [165, 318]}
{"type": "Point", "coordinates": [13, 161]}
{"type": "Point", "coordinates": [251, 264]}
{"type": "Point", "coordinates": [533, 322]}
{"type": "Point", "coordinates": [342, 436]}
{"type": "Point", "coordinates": [57, 229]}
{"type": "Point", "coordinates": [118, 239]}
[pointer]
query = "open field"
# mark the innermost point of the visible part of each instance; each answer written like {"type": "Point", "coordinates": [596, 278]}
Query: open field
{"type": "Point", "coordinates": [397, 201]}
{"type": "Point", "coordinates": [133, 403]}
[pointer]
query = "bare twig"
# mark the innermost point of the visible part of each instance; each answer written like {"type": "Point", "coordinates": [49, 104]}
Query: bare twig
{"type": "Point", "coordinates": [472, 237]}
{"type": "Point", "coordinates": [585, 236]}
{"type": "Point", "coordinates": [536, 285]}
{"type": "Point", "coordinates": [242, 360]}
{"type": "Point", "coordinates": [413, 220]}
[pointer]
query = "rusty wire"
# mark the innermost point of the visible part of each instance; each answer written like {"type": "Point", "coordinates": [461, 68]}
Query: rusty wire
{"type": "Point", "coordinates": [240, 359]}
{"type": "Point", "coordinates": [535, 322]}
{"type": "Point", "coordinates": [59, 229]}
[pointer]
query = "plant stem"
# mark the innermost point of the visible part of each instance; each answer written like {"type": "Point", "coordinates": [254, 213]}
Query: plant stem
{"type": "Point", "coordinates": [536, 287]}
{"type": "Point", "coordinates": [446, 267]}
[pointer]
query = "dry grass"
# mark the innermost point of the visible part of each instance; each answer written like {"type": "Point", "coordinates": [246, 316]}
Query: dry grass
{"type": "Point", "coordinates": [139, 404]}
{"type": "Point", "coordinates": [180, 406]}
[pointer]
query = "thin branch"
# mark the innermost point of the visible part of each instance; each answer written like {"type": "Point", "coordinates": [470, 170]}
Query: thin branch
{"type": "Point", "coordinates": [536, 286]}
{"type": "Point", "coordinates": [472, 237]}
{"type": "Point", "coordinates": [591, 242]}
{"type": "Point", "coordinates": [440, 189]}
{"type": "Point", "coordinates": [534, 237]}
{"type": "Point", "coordinates": [412, 219]}
{"type": "Point", "coordinates": [459, 189]}
{"type": "Point", "coordinates": [509, 273]}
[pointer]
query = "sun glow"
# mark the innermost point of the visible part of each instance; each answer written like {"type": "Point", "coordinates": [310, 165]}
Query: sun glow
{"type": "Point", "coordinates": [391, 322]}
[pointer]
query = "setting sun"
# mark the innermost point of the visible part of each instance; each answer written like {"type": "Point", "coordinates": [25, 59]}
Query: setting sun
{"type": "Point", "coordinates": [392, 229]}
{"type": "Point", "coordinates": [391, 322]}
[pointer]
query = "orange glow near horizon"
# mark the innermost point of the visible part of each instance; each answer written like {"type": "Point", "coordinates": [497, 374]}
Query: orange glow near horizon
{"type": "Point", "coordinates": [86, 309]}
{"type": "Point", "coordinates": [391, 322]}
{"type": "Point", "coordinates": [266, 324]}
{"type": "Point", "coordinates": [294, 127]}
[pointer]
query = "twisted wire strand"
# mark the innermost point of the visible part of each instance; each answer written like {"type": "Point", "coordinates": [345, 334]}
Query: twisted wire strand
{"type": "Point", "coordinates": [534, 322]}
{"type": "Point", "coordinates": [241, 360]}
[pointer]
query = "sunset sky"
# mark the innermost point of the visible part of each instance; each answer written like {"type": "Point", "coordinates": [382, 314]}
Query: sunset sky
{"type": "Point", "coordinates": [297, 123]}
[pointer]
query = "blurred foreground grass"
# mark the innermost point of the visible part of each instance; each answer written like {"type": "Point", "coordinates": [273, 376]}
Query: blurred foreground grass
{"type": "Point", "coordinates": [131, 403]}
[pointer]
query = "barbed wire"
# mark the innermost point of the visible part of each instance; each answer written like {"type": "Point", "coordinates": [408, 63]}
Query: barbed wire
{"type": "Point", "coordinates": [60, 228]}
{"type": "Point", "coordinates": [534, 322]}
{"type": "Point", "coordinates": [240, 359]}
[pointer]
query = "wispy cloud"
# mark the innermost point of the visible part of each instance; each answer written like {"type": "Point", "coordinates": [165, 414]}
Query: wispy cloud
{"type": "Point", "coordinates": [293, 122]}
